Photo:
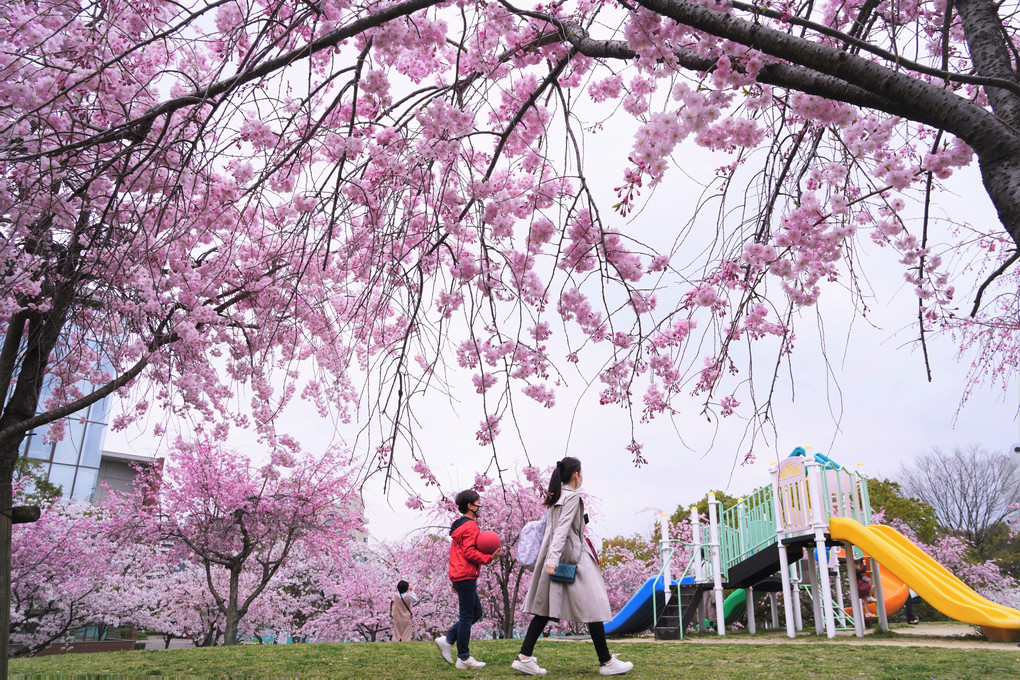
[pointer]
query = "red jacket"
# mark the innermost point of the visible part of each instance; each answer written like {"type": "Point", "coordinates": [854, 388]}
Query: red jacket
{"type": "Point", "coordinates": [465, 558]}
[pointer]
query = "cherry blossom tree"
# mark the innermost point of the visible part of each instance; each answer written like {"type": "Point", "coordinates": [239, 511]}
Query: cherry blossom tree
{"type": "Point", "coordinates": [320, 599]}
{"type": "Point", "coordinates": [295, 596]}
{"type": "Point", "coordinates": [240, 522]}
{"type": "Point", "coordinates": [176, 602]}
{"type": "Point", "coordinates": [298, 199]}
{"type": "Point", "coordinates": [70, 571]}
{"type": "Point", "coordinates": [350, 601]}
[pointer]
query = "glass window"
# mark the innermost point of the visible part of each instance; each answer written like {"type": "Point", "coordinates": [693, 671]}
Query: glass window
{"type": "Point", "coordinates": [85, 484]}
{"type": "Point", "coordinates": [65, 452]}
{"type": "Point", "coordinates": [67, 449]}
{"type": "Point", "coordinates": [76, 429]}
{"type": "Point", "coordinates": [92, 451]}
{"type": "Point", "coordinates": [63, 476]}
{"type": "Point", "coordinates": [37, 448]}
{"type": "Point", "coordinates": [100, 411]}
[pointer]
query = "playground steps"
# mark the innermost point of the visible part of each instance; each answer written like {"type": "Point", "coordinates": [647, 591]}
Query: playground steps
{"type": "Point", "coordinates": [681, 610]}
{"type": "Point", "coordinates": [761, 565]}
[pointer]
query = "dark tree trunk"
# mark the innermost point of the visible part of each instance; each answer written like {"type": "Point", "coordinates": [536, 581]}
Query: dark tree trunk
{"type": "Point", "coordinates": [1000, 159]}
{"type": "Point", "coordinates": [232, 616]}
{"type": "Point", "coordinates": [6, 500]}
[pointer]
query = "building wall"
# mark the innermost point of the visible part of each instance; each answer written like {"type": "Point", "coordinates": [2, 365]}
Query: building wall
{"type": "Point", "coordinates": [73, 462]}
{"type": "Point", "coordinates": [115, 473]}
{"type": "Point", "coordinates": [77, 463]}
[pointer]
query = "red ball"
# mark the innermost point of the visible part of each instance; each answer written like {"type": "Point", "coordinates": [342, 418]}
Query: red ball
{"type": "Point", "coordinates": [488, 542]}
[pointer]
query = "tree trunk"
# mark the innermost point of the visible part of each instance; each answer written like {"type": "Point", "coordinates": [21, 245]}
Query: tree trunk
{"type": "Point", "coordinates": [1000, 160]}
{"type": "Point", "coordinates": [231, 615]}
{"type": "Point", "coordinates": [6, 500]}
{"type": "Point", "coordinates": [19, 407]}
{"type": "Point", "coordinates": [506, 630]}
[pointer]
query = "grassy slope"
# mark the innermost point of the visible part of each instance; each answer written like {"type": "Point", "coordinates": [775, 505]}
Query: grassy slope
{"type": "Point", "coordinates": [563, 659]}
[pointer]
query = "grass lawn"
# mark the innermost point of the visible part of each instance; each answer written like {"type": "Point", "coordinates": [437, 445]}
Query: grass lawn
{"type": "Point", "coordinates": [795, 660]}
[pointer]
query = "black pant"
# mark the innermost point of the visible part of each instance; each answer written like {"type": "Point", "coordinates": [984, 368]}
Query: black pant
{"type": "Point", "coordinates": [470, 608]}
{"type": "Point", "coordinates": [909, 605]}
{"type": "Point", "coordinates": [597, 630]}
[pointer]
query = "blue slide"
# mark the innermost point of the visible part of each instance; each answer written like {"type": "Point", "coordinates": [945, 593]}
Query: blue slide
{"type": "Point", "coordinates": [636, 615]}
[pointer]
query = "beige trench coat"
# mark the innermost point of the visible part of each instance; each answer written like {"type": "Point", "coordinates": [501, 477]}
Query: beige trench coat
{"type": "Point", "coordinates": [583, 601]}
{"type": "Point", "coordinates": [403, 623]}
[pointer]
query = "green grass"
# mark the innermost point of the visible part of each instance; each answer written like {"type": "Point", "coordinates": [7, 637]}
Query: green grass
{"type": "Point", "coordinates": [802, 659]}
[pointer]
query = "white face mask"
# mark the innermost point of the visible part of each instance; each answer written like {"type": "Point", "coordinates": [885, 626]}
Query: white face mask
{"type": "Point", "coordinates": [580, 478]}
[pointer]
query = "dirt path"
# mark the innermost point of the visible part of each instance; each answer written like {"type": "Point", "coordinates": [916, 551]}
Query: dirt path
{"type": "Point", "coordinates": [953, 635]}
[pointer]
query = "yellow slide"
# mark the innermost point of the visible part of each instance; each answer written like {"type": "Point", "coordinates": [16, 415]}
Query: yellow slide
{"type": "Point", "coordinates": [928, 578]}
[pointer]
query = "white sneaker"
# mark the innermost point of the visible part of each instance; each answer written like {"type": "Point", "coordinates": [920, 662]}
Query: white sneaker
{"type": "Point", "coordinates": [529, 667]}
{"type": "Point", "coordinates": [469, 664]}
{"type": "Point", "coordinates": [444, 648]}
{"type": "Point", "coordinates": [615, 667]}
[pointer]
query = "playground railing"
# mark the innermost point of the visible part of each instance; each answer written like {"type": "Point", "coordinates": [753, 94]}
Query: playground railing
{"type": "Point", "coordinates": [747, 527]}
{"type": "Point", "coordinates": [847, 494]}
{"type": "Point", "coordinates": [666, 553]}
{"type": "Point", "coordinates": [843, 620]}
{"type": "Point", "coordinates": [843, 494]}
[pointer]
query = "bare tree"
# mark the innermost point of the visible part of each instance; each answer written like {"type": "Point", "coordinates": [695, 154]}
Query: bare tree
{"type": "Point", "coordinates": [972, 490]}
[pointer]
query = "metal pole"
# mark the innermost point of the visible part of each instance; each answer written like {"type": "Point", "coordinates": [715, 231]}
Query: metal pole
{"type": "Point", "coordinates": [666, 556]}
{"type": "Point", "coordinates": [820, 523]}
{"type": "Point", "coordinates": [876, 582]}
{"type": "Point", "coordinates": [855, 595]}
{"type": "Point", "coordinates": [749, 605]}
{"type": "Point", "coordinates": [713, 533]}
{"type": "Point", "coordinates": [699, 563]}
{"type": "Point", "coordinates": [699, 566]}
{"type": "Point", "coordinates": [838, 580]}
{"type": "Point", "coordinates": [816, 604]}
{"type": "Point", "coordinates": [796, 581]}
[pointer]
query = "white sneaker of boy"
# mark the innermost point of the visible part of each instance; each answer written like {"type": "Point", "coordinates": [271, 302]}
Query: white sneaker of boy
{"type": "Point", "coordinates": [469, 663]}
{"type": "Point", "coordinates": [444, 648]}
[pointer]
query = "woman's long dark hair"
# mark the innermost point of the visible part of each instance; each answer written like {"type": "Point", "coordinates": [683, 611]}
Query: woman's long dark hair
{"type": "Point", "coordinates": [565, 469]}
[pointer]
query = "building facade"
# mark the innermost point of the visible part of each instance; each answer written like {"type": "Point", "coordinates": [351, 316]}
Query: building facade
{"type": "Point", "coordinates": [78, 464]}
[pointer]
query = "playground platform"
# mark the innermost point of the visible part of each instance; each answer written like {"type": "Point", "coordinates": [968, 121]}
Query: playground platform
{"type": "Point", "coordinates": [797, 539]}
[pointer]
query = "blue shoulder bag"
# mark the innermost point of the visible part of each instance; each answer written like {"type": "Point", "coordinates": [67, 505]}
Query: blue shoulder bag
{"type": "Point", "coordinates": [565, 573]}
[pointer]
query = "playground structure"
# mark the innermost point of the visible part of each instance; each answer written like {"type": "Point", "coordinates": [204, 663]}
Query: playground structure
{"type": "Point", "coordinates": [786, 540]}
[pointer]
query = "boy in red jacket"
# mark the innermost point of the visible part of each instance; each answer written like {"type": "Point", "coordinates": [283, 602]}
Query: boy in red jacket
{"type": "Point", "coordinates": [465, 566]}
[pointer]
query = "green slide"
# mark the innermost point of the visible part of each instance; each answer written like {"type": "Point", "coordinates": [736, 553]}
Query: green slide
{"type": "Point", "coordinates": [733, 607]}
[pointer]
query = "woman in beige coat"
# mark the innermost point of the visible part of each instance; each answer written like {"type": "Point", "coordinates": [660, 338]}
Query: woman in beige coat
{"type": "Point", "coordinates": [400, 611]}
{"type": "Point", "coordinates": [585, 600]}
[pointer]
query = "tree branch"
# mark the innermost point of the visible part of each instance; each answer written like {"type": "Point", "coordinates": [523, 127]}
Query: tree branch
{"type": "Point", "coordinates": [994, 275]}
{"type": "Point", "coordinates": [911, 97]}
{"type": "Point", "coordinates": [891, 57]}
{"type": "Point", "coordinates": [132, 129]}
